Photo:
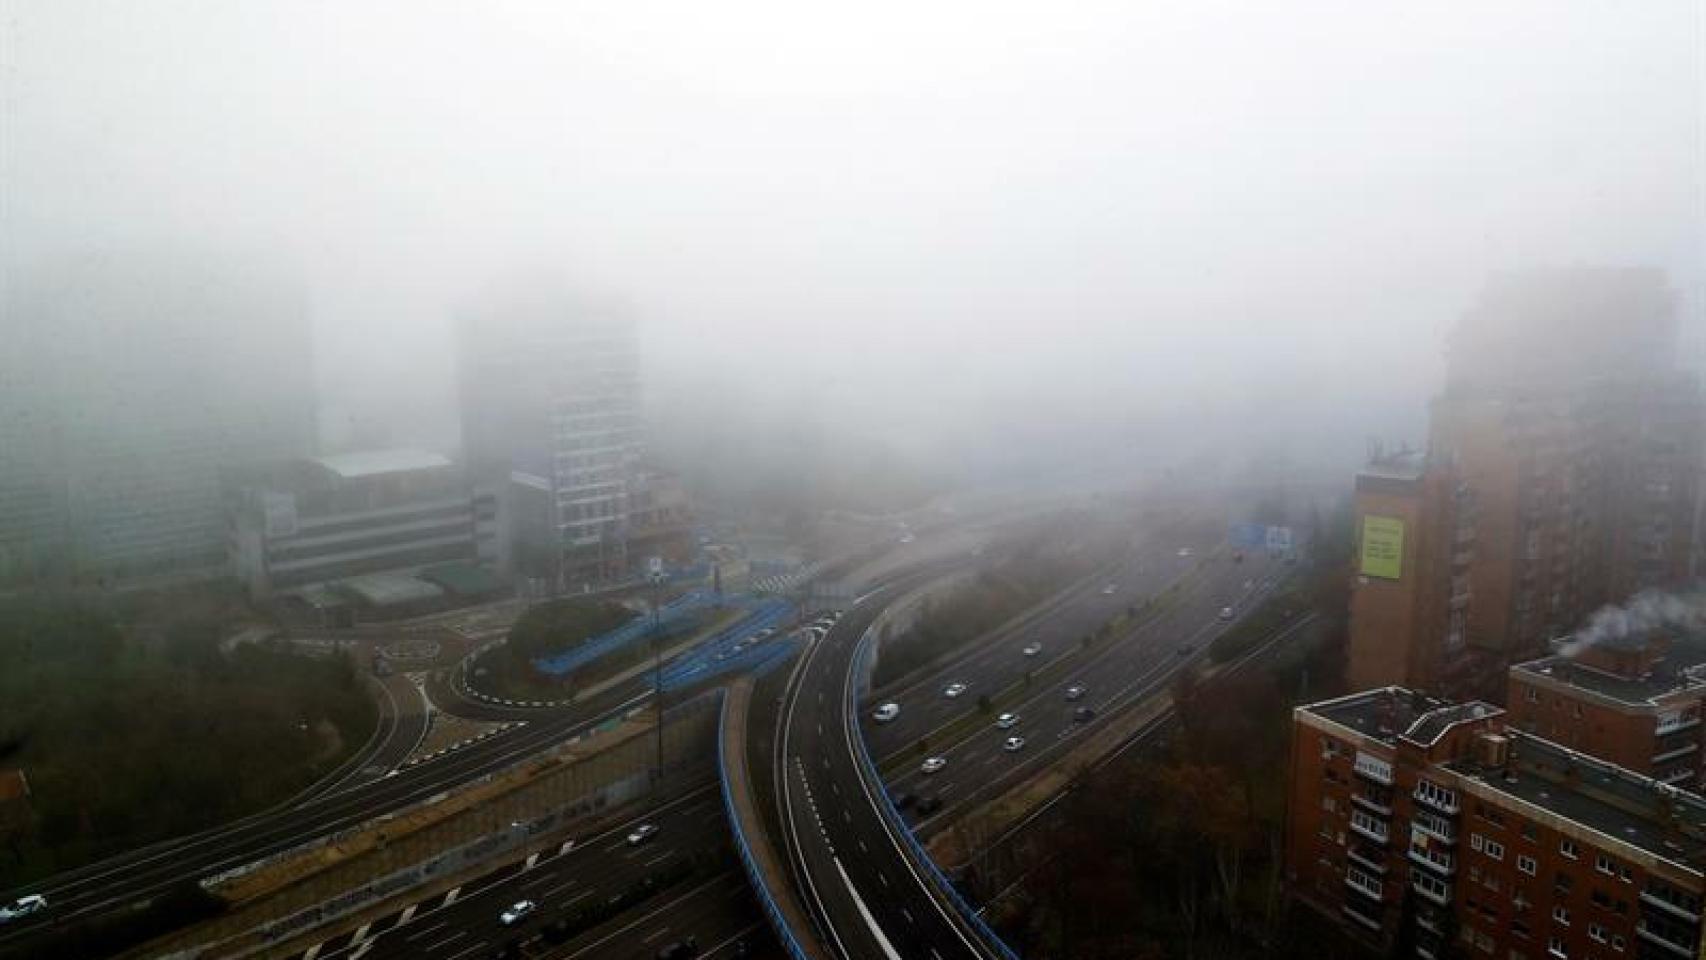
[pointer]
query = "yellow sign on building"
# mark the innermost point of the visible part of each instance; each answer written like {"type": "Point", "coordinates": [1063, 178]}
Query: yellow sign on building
{"type": "Point", "coordinates": [1382, 547]}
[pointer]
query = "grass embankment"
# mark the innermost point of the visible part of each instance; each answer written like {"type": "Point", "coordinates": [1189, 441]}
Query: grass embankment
{"type": "Point", "coordinates": [132, 725]}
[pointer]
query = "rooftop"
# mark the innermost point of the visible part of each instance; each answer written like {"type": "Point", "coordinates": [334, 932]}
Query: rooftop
{"type": "Point", "coordinates": [1405, 465]}
{"type": "Point", "coordinates": [369, 463]}
{"type": "Point", "coordinates": [386, 589]}
{"type": "Point", "coordinates": [1650, 816]}
{"type": "Point", "coordinates": [1383, 714]}
{"type": "Point", "coordinates": [1681, 667]}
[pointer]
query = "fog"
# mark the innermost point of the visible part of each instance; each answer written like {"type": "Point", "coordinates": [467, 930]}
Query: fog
{"type": "Point", "coordinates": [993, 237]}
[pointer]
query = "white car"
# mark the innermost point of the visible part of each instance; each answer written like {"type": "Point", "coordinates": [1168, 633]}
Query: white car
{"type": "Point", "coordinates": [953, 690]}
{"type": "Point", "coordinates": [23, 907]}
{"type": "Point", "coordinates": [1184, 551]}
{"type": "Point", "coordinates": [1007, 721]}
{"type": "Point", "coordinates": [1032, 649]}
{"type": "Point", "coordinates": [1226, 613]}
{"type": "Point", "coordinates": [886, 712]}
{"type": "Point", "coordinates": [933, 764]}
{"type": "Point", "coordinates": [1013, 744]}
{"type": "Point", "coordinates": [1076, 691]}
{"type": "Point", "coordinates": [1109, 590]}
{"type": "Point", "coordinates": [642, 833]}
{"type": "Point", "coordinates": [517, 912]}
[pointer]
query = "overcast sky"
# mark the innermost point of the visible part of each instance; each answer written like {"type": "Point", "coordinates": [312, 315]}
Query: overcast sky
{"type": "Point", "coordinates": [910, 216]}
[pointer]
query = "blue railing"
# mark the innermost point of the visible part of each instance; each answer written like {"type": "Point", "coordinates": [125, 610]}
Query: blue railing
{"type": "Point", "coordinates": [630, 632]}
{"type": "Point", "coordinates": [765, 900]}
{"type": "Point", "coordinates": [919, 854]}
{"type": "Point", "coordinates": [718, 654]}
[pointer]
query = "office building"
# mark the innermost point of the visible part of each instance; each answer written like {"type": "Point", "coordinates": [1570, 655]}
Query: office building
{"type": "Point", "coordinates": [127, 389]}
{"type": "Point", "coordinates": [336, 520]}
{"type": "Point", "coordinates": [1562, 472]}
{"type": "Point", "coordinates": [550, 409]}
{"type": "Point", "coordinates": [1429, 829]}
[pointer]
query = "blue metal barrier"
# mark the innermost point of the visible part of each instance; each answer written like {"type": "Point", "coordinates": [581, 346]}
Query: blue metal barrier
{"type": "Point", "coordinates": [630, 632]}
{"type": "Point", "coordinates": [723, 652]}
{"type": "Point", "coordinates": [989, 936]}
{"type": "Point", "coordinates": [765, 901]}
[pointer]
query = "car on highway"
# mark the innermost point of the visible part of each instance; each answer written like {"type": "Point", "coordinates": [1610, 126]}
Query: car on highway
{"type": "Point", "coordinates": [1083, 714]}
{"type": "Point", "coordinates": [23, 907]}
{"type": "Point", "coordinates": [1110, 590]}
{"type": "Point", "coordinates": [1226, 613]}
{"type": "Point", "coordinates": [953, 690]}
{"type": "Point", "coordinates": [1076, 691]}
{"type": "Point", "coordinates": [1007, 721]}
{"type": "Point", "coordinates": [1186, 649]}
{"type": "Point", "coordinates": [1032, 649]}
{"type": "Point", "coordinates": [929, 805]}
{"type": "Point", "coordinates": [1013, 744]}
{"type": "Point", "coordinates": [1184, 551]}
{"type": "Point", "coordinates": [886, 712]}
{"type": "Point", "coordinates": [680, 950]}
{"type": "Point", "coordinates": [642, 833]}
{"type": "Point", "coordinates": [904, 801]}
{"type": "Point", "coordinates": [517, 912]}
{"type": "Point", "coordinates": [933, 764]}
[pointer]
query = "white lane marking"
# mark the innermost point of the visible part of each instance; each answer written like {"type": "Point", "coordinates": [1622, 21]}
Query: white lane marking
{"type": "Point", "coordinates": [553, 891]}
{"type": "Point", "coordinates": [439, 943]}
{"type": "Point", "coordinates": [424, 931]}
{"type": "Point", "coordinates": [654, 935]}
{"type": "Point", "coordinates": [473, 949]}
{"type": "Point", "coordinates": [865, 912]}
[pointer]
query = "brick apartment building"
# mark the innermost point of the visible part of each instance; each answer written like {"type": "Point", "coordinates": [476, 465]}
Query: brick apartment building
{"type": "Point", "coordinates": [1561, 473]}
{"type": "Point", "coordinates": [1636, 704]}
{"type": "Point", "coordinates": [1430, 829]}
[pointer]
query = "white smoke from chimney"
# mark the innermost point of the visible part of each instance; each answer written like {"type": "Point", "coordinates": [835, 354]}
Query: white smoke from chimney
{"type": "Point", "coordinates": [1646, 611]}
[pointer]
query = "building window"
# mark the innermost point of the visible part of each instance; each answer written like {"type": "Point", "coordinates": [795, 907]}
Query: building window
{"type": "Point", "coordinates": [1555, 946]}
{"type": "Point", "coordinates": [1530, 832]}
{"type": "Point", "coordinates": [1441, 797]}
{"type": "Point", "coordinates": [1617, 942]}
{"type": "Point", "coordinates": [1531, 695]}
{"type": "Point", "coordinates": [1494, 849]}
{"type": "Point", "coordinates": [1603, 864]}
{"type": "Point", "coordinates": [1561, 914]}
{"type": "Point", "coordinates": [1567, 847]}
{"type": "Point", "coordinates": [1561, 882]}
{"type": "Point", "coordinates": [1596, 933]}
{"type": "Point", "coordinates": [1526, 864]}
{"type": "Point", "coordinates": [1329, 804]}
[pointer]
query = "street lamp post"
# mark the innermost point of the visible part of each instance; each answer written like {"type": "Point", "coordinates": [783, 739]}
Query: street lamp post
{"type": "Point", "coordinates": [656, 578]}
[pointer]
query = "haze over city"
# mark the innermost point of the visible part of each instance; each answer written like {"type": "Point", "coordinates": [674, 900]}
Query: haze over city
{"type": "Point", "coordinates": [958, 481]}
{"type": "Point", "coordinates": [954, 227]}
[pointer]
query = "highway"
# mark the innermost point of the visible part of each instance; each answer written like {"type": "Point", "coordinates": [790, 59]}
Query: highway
{"type": "Point", "coordinates": [854, 872]}
{"type": "Point", "coordinates": [712, 904]}
{"type": "Point", "coordinates": [1111, 673]}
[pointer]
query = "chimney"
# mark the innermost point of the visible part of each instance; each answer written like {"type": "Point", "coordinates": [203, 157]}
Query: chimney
{"type": "Point", "coordinates": [1492, 750]}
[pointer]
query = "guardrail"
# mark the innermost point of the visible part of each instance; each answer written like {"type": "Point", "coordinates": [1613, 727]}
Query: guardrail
{"type": "Point", "coordinates": [772, 912]}
{"type": "Point", "coordinates": [919, 854]}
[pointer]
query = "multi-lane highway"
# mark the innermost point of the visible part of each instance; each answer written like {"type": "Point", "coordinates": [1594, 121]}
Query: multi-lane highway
{"type": "Point", "coordinates": [712, 904]}
{"type": "Point", "coordinates": [855, 873]}
{"type": "Point", "coordinates": [1073, 693]}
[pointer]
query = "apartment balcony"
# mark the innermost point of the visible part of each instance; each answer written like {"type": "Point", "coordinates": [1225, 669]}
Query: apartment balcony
{"type": "Point", "coordinates": [1370, 860]}
{"type": "Point", "coordinates": [1673, 724]}
{"type": "Point", "coordinates": [1679, 775]}
{"type": "Point", "coordinates": [1373, 768]}
{"type": "Point", "coordinates": [1459, 600]}
{"type": "Point", "coordinates": [1674, 909]}
{"type": "Point", "coordinates": [1445, 866]}
{"type": "Point", "coordinates": [1368, 827]}
{"type": "Point", "coordinates": [1443, 832]}
{"type": "Point", "coordinates": [1367, 886]}
{"type": "Point", "coordinates": [1448, 806]}
{"type": "Point", "coordinates": [1353, 911]}
{"type": "Point", "coordinates": [1374, 805]}
{"type": "Point", "coordinates": [1437, 892]}
{"type": "Point", "coordinates": [1662, 940]}
{"type": "Point", "coordinates": [1681, 751]}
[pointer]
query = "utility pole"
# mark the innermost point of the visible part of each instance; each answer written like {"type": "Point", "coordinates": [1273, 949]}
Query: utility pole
{"type": "Point", "coordinates": [656, 578]}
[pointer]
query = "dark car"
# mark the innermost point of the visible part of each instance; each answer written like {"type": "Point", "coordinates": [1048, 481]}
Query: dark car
{"type": "Point", "coordinates": [680, 950]}
{"type": "Point", "coordinates": [929, 805]}
{"type": "Point", "coordinates": [903, 801]}
{"type": "Point", "coordinates": [1084, 714]}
